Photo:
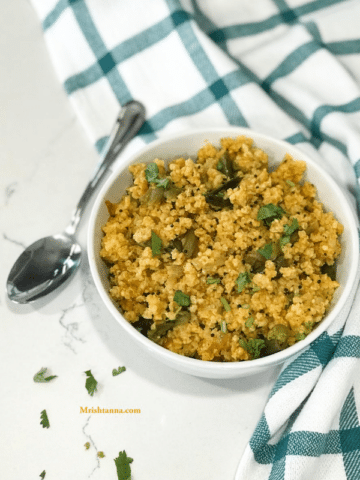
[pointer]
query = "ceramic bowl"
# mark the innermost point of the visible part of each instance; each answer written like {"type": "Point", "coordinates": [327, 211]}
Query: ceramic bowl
{"type": "Point", "coordinates": [186, 145]}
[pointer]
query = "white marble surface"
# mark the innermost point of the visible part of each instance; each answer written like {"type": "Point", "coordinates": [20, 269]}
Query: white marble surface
{"type": "Point", "coordinates": [189, 428]}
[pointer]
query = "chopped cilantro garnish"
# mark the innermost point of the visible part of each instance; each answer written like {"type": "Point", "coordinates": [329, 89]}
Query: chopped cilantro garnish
{"type": "Point", "coordinates": [307, 329]}
{"type": "Point", "coordinates": [123, 468]}
{"type": "Point", "coordinates": [242, 280]}
{"type": "Point", "coordinates": [91, 383]}
{"type": "Point", "coordinates": [42, 474]}
{"type": "Point", "coordinates": [255, 289]}
{"type": "Point", "coordinates": [223, 326]}
{"type": "Point", "coordinates": [290, 183]}
{"type": "Point", "coordinates": [212, 280]}
{"type": "Point", "coordinates": [225, 304]}
{"type": "Point", "coordinates": [152, 173]}
{"type": "Point", "coordinates": [266, 251]}
{"type": "Point", "coordinates": [101, 454]}
{"type": "Point", "coordinates": [39, 377]}
{"type": "Point", "coordinates": [268, 213]}
{"type": "Point", "coordinates": [117, 371]}
{"type": "Point", "coordinates": [249, 322]}
{"type": "Point", "coordinates": [181, 299]}
{"type": "Point", "coordinates": [87, 445]}
{"type": "Point", "coordinates": [253, 346]}
{"type": "Point", "coordinates": [288, 231]}
{"type": "Point", "coordinates": [162, 182]}
{"type": "Point", "coordinates": [44, 419]}
{"type": "Point", "coordinates": [156, 244]}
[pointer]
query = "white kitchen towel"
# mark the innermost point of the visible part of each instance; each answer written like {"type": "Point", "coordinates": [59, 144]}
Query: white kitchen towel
{"type": "Point", "coordinates": [287, 68]}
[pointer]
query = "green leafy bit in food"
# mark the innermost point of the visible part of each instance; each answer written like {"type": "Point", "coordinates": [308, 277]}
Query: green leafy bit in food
{"type": "Point", "coordinates": [290, 183]}
{"type": "Point", "coordinates": [242, 280]}
{"type": "Point", "coordinates": [307, 328]}
{"type": "Point", "coordinates": [87, 445]}
{"type": "Point", "coordinates": [101, 454]}
{"type": "Point", "coordinates": [123, 468]}
{"type": "Point", "coordinates": [253, 346]}
{"type": "Point", "coordinates": [223, 326]}
{"type": "Point", "coordinates": [288, 231]}
{"type": "Point", "coordinates": [212, 280]}
{"type": "Point", "coordinates": [266, 251]}
{"type": "Point", "coordinates": [255, 289]}
{"type": "Point", "coordinates": [182, 299]}
{"type": "Point", "coordinates": [39, 377]}
{"type": "Point", "coordinates": [44, 419]}
{"type": "Point", "coordinates": [225, 304]}
{"type": "Point", "coordinates": [156, 244]}
{"type": "Point", "coordinates": [249, 322]}
{"type": "Point", "coordinates": [152, 174]}
{"type": "Point", "coordinates": [117, 371]}
{"type": "Point", "coordinates": [42, 474]}
{"type": "Point", "coordinates": [246, 305]}
{"type": "Point", "coordinates": [91, 383]}
{"type": "Point", "coordinates": [280, 333]}
{"type": "Point", "coordinates": [162, 329]}
{"type": "Point", "coordinates": [268, 213]}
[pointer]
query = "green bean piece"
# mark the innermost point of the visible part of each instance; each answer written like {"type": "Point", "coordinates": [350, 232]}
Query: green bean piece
{"type": "Point", "coordinates": [172, 192]}
{"type": "Point", "coordinates": [161, 330]}
{"type": "Point", "coordinates": [225, 165]}
{"type": "Point", "coordinates": [329, 270]}
{"type": "Point", "coordinates": [190, 243]}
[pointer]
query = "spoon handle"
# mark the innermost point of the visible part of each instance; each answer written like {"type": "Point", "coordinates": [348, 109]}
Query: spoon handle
{"type": "Point", "coordinates": [128, 123]}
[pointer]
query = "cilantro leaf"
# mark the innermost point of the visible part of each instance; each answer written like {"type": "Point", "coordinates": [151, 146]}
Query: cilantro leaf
{"type": "Point", "coordinates": [242, 280]}
{"type": "Point", "coordinates": [39, 377]}
{"type": "Point", "coordinates": [87, 445]}
{"type": "Point", "coordinates": [290, 183]}
{"type": "Point", "coordinates": [212, 280]}
{"type": "Point", "coordinates": [253, 346]}
{"type": "Point", "coordinates": [288, 231]}
{"type": "Point", "coordinates": [266, 251]}
{"type": "Point", "coordinates": [151, 172]}
{"type": "Point", "coordinates": [101, 454]}
{"type": "Point", "coordinates": [162, 182]}
{"type": "Point", "coordinates": [44, 419]}
{"type": "Point", "coordinates": [116, 372]}
{"type": "Point", "coordinates": [225, 304]}
{"type": "Point", "coordinates": [123, 468]}
{"type": "Point", "coordinates": [91, 383]}
{"type": "Point", "coordinates": [42, 474]}
{"type": "Point", "coordinates": [181, 299]}
{"type": "Point", "coordinates": [249, 322]}
{"type": "Point", "coordinates": [268, 213]}
{"type": "Point", "coordinates": [156, 244]}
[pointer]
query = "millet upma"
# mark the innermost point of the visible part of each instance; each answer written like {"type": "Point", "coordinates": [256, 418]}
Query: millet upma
{"type": "Point", "coordinates": [220, 259]}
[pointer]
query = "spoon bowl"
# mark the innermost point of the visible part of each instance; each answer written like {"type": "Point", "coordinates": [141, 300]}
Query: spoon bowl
{"type": "Point", "coordinates": [43, 267]}
{"type": "Point", "coordinates": [48, 262]}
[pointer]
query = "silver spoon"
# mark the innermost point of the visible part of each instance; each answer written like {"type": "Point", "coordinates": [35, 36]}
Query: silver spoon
{"type": "Point", "coordinates": [47, 263]}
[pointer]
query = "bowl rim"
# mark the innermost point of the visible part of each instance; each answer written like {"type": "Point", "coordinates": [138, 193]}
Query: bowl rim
{"type": "Point", "coordinates": [192, 364]}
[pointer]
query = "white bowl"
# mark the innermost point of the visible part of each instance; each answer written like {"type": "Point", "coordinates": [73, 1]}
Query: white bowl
{"type": "Point", "coordinates": [187, 145]}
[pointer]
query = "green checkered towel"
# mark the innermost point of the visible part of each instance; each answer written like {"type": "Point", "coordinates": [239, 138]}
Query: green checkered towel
{"type": "Point", "coordinates": [287, 68]}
